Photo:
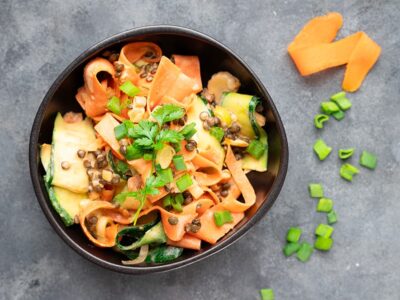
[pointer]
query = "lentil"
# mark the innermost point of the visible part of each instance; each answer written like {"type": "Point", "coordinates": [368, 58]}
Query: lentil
{"type": "Point", "coordinates": [204, 115]}
{"type": "Point", "coordinates": [173, 220]}
{"type": "Point", "coordinates": [65, 165]}
{"type": "Point", "coordinates": [81, 153]}
{"type": "Point", "coordinates": [224, 193]}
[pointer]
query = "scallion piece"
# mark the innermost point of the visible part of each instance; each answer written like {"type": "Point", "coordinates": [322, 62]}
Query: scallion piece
{"type": "Point", "coordinates": [324, 230]}
{"type": "Point", "coordinates": [329, 107]}
{"type": "Point", "coordinates": [120, 131]}
{"type": "Point", "coordinates": [324, 205]}
{"type": "Point", "coordinates": [320, 119]}
{"type": "Point", "coordinates": [305, 251]}
{"type": "Point", "coordinates": [368, 160]}
{"type": "Point", "coordinates": [341, 100]}
{"type": "Point", "coordinates": [114, 105]}
{"type": "Point", "coordinates": [179, 163]}
{"type": "Point", "coordinates": [167, 201]}
{"type": "Point", "coordinates": [165, 175]}
{"type": "Point", "coordinates": [267, 294]}
{"type": "Point", "coordinates": [293, 234]}
{"type": "Point", "coordinates": [129, 88]}
{"type": "Point", "coordinates": [347, 171]}
{"type": "Point", "coordinates": [338, 115]}
{"type": "Point", "coordinates": [290, 249]}
{"type": "Point", "coordinates": [256, 149]}
{"type": "Point", "coordinates": [323, 243]}
{"type": "Point", "coordinates": [217, 132]}
{"type": "Point", "coordinates": [184, 182]}
{"type": "Point", "coordinates": [346, 153]}
{"type": "Point", "coordinates": [316, 190]}
{"type": "Point", "coordinates": [332, 217]}
{"type": "Point", "coordinates": [189, 130]}
{"type": "Point", "coordinates": [222, 217]}
{"type": "Point", "coordinates": [177, 202]}
{"type": "Point", "coordinates": [322, 149]}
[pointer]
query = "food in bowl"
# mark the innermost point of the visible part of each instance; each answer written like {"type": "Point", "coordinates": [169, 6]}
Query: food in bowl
{"type": "Point", "coordinates": [158, 163]}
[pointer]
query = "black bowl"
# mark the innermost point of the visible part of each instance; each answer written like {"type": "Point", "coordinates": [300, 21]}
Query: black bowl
{"type": "Point", "coordinates": [214, 57]}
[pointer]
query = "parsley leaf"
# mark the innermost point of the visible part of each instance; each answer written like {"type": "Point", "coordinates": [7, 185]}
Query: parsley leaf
{"type": "Point", "coordinates": [169, 136]}
{"type": "Point", "coordinates": [167, 112]}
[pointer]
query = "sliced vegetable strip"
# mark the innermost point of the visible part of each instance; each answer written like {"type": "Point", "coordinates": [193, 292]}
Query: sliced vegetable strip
{"type": "Point", "coordinates": [313, 50]}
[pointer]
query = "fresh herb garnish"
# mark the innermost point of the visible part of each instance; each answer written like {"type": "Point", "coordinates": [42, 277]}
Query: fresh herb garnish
{"type": "Point", "coordinates": [150, 189]}
{"type": "Point", "coordinates": [167, 113]}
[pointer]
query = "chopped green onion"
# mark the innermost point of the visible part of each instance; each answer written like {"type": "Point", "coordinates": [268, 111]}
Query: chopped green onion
{"type": "Point", "coordinates": [332, 217]}
{"type": "Point", "coordinates": [346, 153]}
{"type": "Point", "coordinates": [368, 160]}
{"type": "Point", "coordinates": [322, 149]}
{"type": "Point", "coordinates": [128, 124]}
{"type": "Point", "coordinates": [167, 201]}
{"type": "Point", "coordinates": [323, 243]}
{"type": "Point", "coordinates": [179, 163]}
{"type": "Point", "coordinates": [291, 248]}
{"type": "Point", "coordinates": [305, 251]}
{"type": "Point", "coordinates": [341, 100]}
{"type": "Point", "coordinates": [267, 294]}
{"type": "Point", "coordinates": [256, 149]}
{"type": "Point", "coordinates": [324, 205]}
{"type": "Point", "coordinates": [222, 217]}
{"type": "Point", "coordinates": [293, 234]}
{"type": "Point", "coordinates": [189, 130]}
{"type": "Point", "coordinates": [217, 132]}
{"type": "Point", "coordinates": [329, 107]}
{"type": "Point", "coordinates": [114, 105]}
{"type": "Point", "coordinates": [320, 119]}
{"type": "Point", "coordinates": [166, 175]}
{"type": "Point", "coordinates": [324, 230]}
{"type": "Point", "coordinates": [347, 171]}
{"type": "Point", "coordinates": [177, 202]}
{"type": "Point", "coordinates": [133, 152]}
{"type": "Point", "coordinates": [338, 115]}
{"type": "Point", "coordinates": [120, 131]}
{"type": "Point", "coordinates": [148, 156]}
{"type": "Point", "coordinates": [184, 182]}
{"type": "Point", "coordinates": [129, 88]}
{"type": "Point", "coordinates": [316, 190]}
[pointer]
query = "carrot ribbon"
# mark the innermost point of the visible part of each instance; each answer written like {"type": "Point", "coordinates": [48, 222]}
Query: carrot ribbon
{"type": "Point", "coordinates": [312, 50]}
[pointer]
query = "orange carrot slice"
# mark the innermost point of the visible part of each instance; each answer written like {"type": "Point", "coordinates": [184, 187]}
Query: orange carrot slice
{"type": "Point", "coordinates": [312, 50]}
{"type": "Point", "coordinates": [190, 66]}
{"type": "Point", "coordinates": [209, 231]}
{"type": "Point", "coordinates": [170, 81]}
{"type": "Point", "coordinates": [242, 183]}
{"type": "Point", "coordinates": [187, 242]}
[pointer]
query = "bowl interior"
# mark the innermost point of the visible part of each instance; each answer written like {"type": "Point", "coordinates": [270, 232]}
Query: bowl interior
{"type": "Point", "coordinates": [213, 57]}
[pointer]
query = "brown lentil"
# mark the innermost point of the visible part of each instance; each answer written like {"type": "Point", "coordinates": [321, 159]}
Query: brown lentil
{"type": "Point", "coordinates": [101, 157]}
{"type": "Point", "coordinates": [113, 57]}
{"type": "Point", "coordinates": [118, 66]}
{"type": "Point", "coordinates": [92, 220]}
{"type": "Point", "coordinates": [196, 222]}
{"type": "Point", "coordinates": [81, 153]}
{"type": "Point", "coordinates": [210, 121]}
{"type": "Point", "coordinates": [190, 147]}
{"type": "Point", "coordinates": [149, 78]}
{"type": "Point", "coordinates": [173, 220]}
{"type": "Point", "coordinates": [217, 121]}
{"type": "Point", "coordinates": [143, 75]}
{"type": "Point", "coordinates": [204, 115]}
{"type": "Point", "coordinates": [65, 165]}
{"type": "Point", "coordinates": [226, 186]}
{"type": "Point", "coordinates": [235, 128]}
{"type": "Point", "coordinates": [224, 193]}
{"type": "Point", "coordinates": [116, 179]}
{"type": "Point", "coordinates": [195, 228]}
{"type": "Point", "coordinates": [205, 125]}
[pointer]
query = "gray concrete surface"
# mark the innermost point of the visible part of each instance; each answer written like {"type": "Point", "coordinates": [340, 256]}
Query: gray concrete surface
{"type": "Point", "coordinates": [38, 39]}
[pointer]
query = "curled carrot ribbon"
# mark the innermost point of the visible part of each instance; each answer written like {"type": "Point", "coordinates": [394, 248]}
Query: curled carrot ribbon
{"type": "Point", "coordinates": [312, 50]}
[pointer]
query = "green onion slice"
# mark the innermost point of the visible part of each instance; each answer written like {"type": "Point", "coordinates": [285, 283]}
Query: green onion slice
{"type": "Point", "coordinates": [293, 235]}
{"type": "Point", "coordinates": [341, 100]}
{"type": "Point", "coordinates": [368, 160]}
{"type": "Point", "coordinates": [323, 243]}
{"type": "Point", "coordinates": [332, 217]}
{"type": "Point", "coordinates": [217, 132]}
{"type": "Point", "coordinates": [120, 131]}
{"type": "Point", "coordinates": [256, 149]}
{"type": "Point", "coordinates": [129, 88]}
{"type": "Point", "coordinates": [222, 217]}
{"type": "Point", "coordinates": [322, 149]}
{"type": "Point", "coordinates": [179, 163]}
{"type": "Point", "coordinates": [320, 119]}
{"type": "Point", "coordinates": [347, 171]}
{"type": "Point", "coordinates": [316, 190]}
{"type": "Point", "coordinates": [267, 294]}
{"type": "Point", "coordinates": [329, 107]}
{"type": "Point", "coordinates": [346, 153]}
{"type": "Point", "coordinates": [324, 205]}
{"type": "Point", "coordinates": [305, 251]}
{"type": "Point", "coordinates": [290, 249]}
{"type": "Point", "coordinates": [114, 105]}
{"type": "Point", "coordinates": [184, 182]}
{"type": "Point", "coordinates": [324, 230]}
{"type": "Point", "coordinates": [338, 115]}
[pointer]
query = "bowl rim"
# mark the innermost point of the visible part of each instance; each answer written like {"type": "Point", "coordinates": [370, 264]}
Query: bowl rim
{"type": "Point", "coordinates": [33, 152]}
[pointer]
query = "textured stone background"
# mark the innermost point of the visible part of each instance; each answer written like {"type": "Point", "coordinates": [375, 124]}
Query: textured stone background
{"type": "Point", "coordinates": [38, 39]}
